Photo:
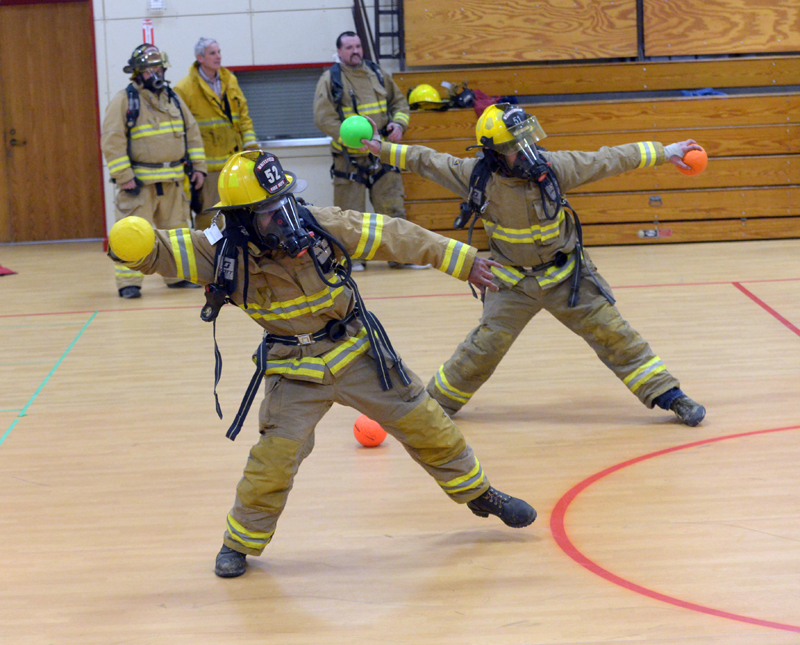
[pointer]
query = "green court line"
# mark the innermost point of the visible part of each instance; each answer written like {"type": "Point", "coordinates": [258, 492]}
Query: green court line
{"type": "Point", "coordinates": [46, 378]}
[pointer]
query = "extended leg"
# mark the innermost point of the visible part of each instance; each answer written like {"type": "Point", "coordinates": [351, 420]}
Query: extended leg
{"type": "Point", "coordinates": [621, 348]}
{"type": "Point", "coordinates": [505, 314]}
{"type": "Point", "coordinates": [289, 413]}
{"type": "Point", "coordinates": [432, 440]}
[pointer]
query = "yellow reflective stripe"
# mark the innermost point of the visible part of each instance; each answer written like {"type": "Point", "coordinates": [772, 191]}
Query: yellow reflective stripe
{"type": "Point", "coordinates": [397, 155]}
{"type": "Point", "coordinates": [554, 275]}
{"type": "Point", "coordinates": [401, 118]}
{"type": "Point", "coordinates": [448, 390]}
{"type": "Point", "coordinates": [365, 108]}
{"type": "Point", "coordinates": [643, 374]}
{"type": "Point", "coordinates": [473, 479]}
{"type": "Point", "coordinates": [296, 307]}
{"type": "Point", "coordinates": [309, 366]}
{"type": "Point", "coordinates": [250, 539]}
{"type": "Point", "coordinates": [648, 152]}
{"type": "Point", "coordinates": [346, 352]}
{"type": "Point", "coordinates": [313, 367]}
{"type": "Point", "coordinates": [509, 275]}
{"type": "Point", "coordinates": [158, 174]}
{"type": "Point", "coordinates": [124, 272]}
{"type": "Point", "coordinates": [371, 235]}
{"type": "Point", "coordinates": [196, 153]}
{"type": "Point", "coordinates": [208, 123]}
{"type": "Point", "coordinates": [249, 137]}
{"type": "Point", "coordinates": [183, 250]}
{"type": "Point", "coordinates": [528, 235]}
{"type": "Point", "coordinates": [454, 258]}
{"type": "Point", "coordinates": [120, 163]}
{"type": "Point", "coordinates": [147, 130]}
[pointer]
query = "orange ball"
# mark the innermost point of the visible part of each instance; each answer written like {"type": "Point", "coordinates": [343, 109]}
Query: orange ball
{"type": "Point", "coordinates": [368, 432]}
{"type": "Point", "coordinates": [697, 160]}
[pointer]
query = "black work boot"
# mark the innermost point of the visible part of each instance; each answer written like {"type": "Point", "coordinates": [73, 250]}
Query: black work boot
{"type": "Point", "coordinates": [514, 512]}
{"type": "Point", "coordinates": [130, 292]}
{"type": "Point", "coordinates": [689, 412]}
{"type": "Point", "coordinates": [230, 563]}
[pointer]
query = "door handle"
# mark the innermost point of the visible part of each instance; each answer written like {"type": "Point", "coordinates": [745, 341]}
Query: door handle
{"type": "Point", "coordinates": [17, 142]}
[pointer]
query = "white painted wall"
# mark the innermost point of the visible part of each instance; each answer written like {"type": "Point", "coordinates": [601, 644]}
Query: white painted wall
{"type": "Point", "coordinates": [249, 32]}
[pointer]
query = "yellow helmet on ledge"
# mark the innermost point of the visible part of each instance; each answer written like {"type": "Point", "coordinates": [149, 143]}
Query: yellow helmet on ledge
{"type": "Point", "coordinates": [426, 97]}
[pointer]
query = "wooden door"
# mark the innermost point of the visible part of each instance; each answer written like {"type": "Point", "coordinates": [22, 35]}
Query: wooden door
{"type": "Point", "coordinates": [50, 172]}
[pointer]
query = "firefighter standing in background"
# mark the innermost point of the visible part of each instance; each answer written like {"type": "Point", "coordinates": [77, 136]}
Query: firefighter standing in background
{"type": "Point", "coordinates": [286, 265]}
{"type": "Point", "coordinates": [150, 140]}
{"type": "Point", "coordinates": [357, 86]}
{"type": "Point", "coordinates": [517, 190]}
{"type": "Point", "coordinates": [216, 101]}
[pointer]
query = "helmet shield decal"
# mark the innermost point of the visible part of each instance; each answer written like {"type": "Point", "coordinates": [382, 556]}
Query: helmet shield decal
{"type": "Point", "coordinates": [524, 128]}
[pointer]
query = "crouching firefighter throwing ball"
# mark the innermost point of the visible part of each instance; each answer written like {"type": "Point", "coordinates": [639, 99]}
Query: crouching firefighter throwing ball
{"type": "Point", "coordinates": [517, 189]}
{"type": "Point", "coordinates": [287, 265]}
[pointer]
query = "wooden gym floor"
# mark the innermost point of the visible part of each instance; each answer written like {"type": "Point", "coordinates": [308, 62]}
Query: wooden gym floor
{"type": "Point", "coordinates": [115, 474]}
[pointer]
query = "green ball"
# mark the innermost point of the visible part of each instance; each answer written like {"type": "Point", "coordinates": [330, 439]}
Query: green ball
{"type": "Point", "coordinates": [354, 128]}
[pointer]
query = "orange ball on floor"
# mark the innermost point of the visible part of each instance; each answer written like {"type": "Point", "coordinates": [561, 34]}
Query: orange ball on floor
{"type": "Point", "coordinates": [697, 160]}
{"type": "Point", "coordinates": [368, 432]}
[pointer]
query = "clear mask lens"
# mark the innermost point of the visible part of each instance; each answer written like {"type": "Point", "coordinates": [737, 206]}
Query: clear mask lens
{"type": "Point", "coordinates": [525, 134]}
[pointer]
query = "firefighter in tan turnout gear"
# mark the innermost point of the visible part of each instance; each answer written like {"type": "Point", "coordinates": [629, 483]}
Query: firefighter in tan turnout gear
{"type": "Point", "coordinates": [354, 85]}
{"type": "Point", "coordinates": [517, 189]}
{"type": "Point", "coordinates": [150, 141]}
{"type": "Point", "coordinates": [288, 267]}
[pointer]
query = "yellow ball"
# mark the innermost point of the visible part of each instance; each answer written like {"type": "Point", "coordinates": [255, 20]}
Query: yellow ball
{"type": "Point", "coordinates": [131, 239]}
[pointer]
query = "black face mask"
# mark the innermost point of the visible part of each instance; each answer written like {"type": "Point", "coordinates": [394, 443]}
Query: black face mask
{"type": "Point", "coordinates": [155, 83]}
{"type": "Point", "coordinates": [285, 231]}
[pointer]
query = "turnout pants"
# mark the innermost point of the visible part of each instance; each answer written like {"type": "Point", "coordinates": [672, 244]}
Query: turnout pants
{"type": "Point", "coordinates": [169, 210]}
{"type": "Point", "coordinates": [387, 195]}
{"type": "Point", "coordinates": [291, 410]}
{"type": "Point", "coordinates": [505, 314]}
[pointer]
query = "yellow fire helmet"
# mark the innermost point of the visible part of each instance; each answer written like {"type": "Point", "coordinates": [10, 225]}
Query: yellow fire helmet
{"type": "Point", "coordinates": [144, 57]}
{"type": "Point", "coordinates": [252, 178]}
{"type": "Point", "coordinates": [426, 97]}
{"type": "Point", "coordinates": [497, 130]}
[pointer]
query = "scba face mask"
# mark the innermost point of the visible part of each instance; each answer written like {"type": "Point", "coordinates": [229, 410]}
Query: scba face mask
{"type": "Point", "coordinates": [280, 228]}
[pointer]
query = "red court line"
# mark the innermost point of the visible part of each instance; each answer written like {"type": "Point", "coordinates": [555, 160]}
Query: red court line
{"type": "Point", "coordinates": [766, 307]}
{"type": "Point", "coordinates": [559, 532]}
{"type": "Point", "coordinates": [420, 295]}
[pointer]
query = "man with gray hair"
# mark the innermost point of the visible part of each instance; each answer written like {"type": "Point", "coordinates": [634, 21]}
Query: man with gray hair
{"type": "Point", "coordinates": [216, 101]}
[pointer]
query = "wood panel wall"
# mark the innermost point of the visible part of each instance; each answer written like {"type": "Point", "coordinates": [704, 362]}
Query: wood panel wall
{"type": "Point", "coordinates": [689, 27]}
{"type": "Point", "coordinates": [750, 190]}
{"type": "Point", "coordinates": [473, 32]}
{"type": "Point", "coordinates": [470, 32]}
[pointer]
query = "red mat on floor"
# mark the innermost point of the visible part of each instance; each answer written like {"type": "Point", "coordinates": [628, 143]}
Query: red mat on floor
{"type": "Point", "coordinates": [4, 271]}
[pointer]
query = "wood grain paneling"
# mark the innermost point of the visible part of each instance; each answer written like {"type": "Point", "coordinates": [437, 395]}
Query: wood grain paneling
{"type": "Point", "coordinates": [724, 172]}
{"type": "Point", "coordinates": [469, 32]}
{"type": "Point", "coordinates": [645, 206]}
{"type": "Point", "coordinates": [718, 142]}
{"type": "Point", "coordinates": [688, 27]}
{"type": "Point", "coordinates": [669, 233]}
{"type": "Point", "coordinates": [593, 77]}
{"type": "Point", "coordinates": [694, 231]}
{"type": "Point", "coordinates": [576, 117]}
